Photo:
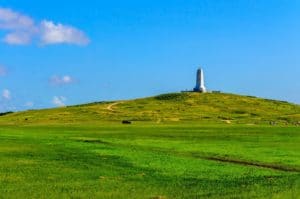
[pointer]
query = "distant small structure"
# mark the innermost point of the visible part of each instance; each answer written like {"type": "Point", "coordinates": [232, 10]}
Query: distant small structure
{"type": "Point", "coordinates": [126, 122]}
{"type": "Point", "coordinates": [200, 86]}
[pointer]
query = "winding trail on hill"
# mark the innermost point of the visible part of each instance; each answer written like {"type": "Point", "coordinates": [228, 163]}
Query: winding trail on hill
{"type": "Point", "coordinates": [110, 106]}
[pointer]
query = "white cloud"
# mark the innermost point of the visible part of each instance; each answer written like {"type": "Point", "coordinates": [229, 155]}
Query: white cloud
{"type": "Point", "coordinates": [23, 30]}
{"type": "Point", "coordinates": [67, 79]}
{"type": "Point", "coordinates": [11, 20]}
{"type": "Point", "coordinates": [57, 33]}
{"type": "Point", "coordinates": [17, 38]}
{"type": "Point", "coordinates": [6, 102]}
{"type": "Point", "coordinates": [29, 104]}
{"type": "Point", "coordinates": [61, 80]}
{"type": "Point", "coordinates": [3, 71]}
{"type": "Point", "coordinates": [59, 101]}
{"type": "Point", "coordinates": [6, 94]}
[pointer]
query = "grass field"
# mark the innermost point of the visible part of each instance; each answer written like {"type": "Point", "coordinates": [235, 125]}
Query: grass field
{"type": "Point", "coordinates": [180, 145]}
{"type": "Point", "coordinates": [149, 161]}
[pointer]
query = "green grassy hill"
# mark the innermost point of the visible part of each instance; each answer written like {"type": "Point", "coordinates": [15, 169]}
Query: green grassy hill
{"type": "Point", "coordinates": [173, 107]}
{"type": "Point", "coordinates": [181, 145]}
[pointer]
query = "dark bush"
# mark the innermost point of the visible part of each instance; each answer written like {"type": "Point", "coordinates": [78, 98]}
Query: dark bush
{"type": "Point", "coordinates": [6, 113]}
{"type": "Point", "coordinates": [239, 112]}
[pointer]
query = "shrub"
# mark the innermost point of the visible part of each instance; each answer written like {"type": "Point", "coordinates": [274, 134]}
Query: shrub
{"type": "Point", "coordinates": [6, 113]}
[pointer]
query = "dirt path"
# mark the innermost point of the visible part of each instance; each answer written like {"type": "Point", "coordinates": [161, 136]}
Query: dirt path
{"type": "Point", "coordinates": [110, 106]}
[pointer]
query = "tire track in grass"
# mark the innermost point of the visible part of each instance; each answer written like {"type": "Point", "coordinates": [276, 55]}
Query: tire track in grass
{"type": "Point", "coordinates": [250, 163]}
{"type": "Point", "coordinates": [202, 156]}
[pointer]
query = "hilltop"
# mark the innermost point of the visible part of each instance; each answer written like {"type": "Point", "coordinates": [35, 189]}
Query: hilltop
{"type": "Point", "coordinates": [172, 107]}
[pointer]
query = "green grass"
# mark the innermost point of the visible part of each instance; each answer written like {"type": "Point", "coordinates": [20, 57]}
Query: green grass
{"type": "Point", "coordinates": [180, 145]}
{"type": "Point", "coordinates": [177, 107]}
{"type": "Point", "coordinates": [149, 161]}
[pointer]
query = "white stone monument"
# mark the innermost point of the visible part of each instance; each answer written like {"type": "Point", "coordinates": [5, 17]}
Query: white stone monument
{"type": "Point", "coordinates": [200, 87]}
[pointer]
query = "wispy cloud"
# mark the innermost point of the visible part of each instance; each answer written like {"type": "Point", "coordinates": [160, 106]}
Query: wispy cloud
{"type": "Point", "coordinates": [61, 80]}
{"type": "Point", "coordinates": [59, 101]}
{"type": "Point", "coordinates": [52, 33]}
{"type": "Point", "coordinates": [6, 102]}
{"type": "Point", "coordinates": [6, 94]}
{"type": "Point", "coordinates": [17, 38]}
{"type": "Point", "coordinates": [3, 70]}
{"type": "Point", "coordinates": [22, 29]}
{"type": "Point", "coordinates": [11, 20]}
{"type": "Point", "coordinates": [29, 104]}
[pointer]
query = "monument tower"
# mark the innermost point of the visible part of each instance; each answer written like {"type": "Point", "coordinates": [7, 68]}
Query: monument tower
{"type": "Point", "coordinates": [200, 87]}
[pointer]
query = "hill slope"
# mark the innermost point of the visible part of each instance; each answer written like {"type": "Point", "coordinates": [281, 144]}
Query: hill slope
{"type": "Point", "coordinates": [174, 107]}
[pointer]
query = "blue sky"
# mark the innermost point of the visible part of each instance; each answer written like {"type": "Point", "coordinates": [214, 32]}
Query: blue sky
{"type": "Point", "coordinates": [55, 53]}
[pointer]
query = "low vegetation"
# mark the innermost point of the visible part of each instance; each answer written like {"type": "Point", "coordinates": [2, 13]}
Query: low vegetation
{"type": "Point", "coordinates": [174, 107]}
{"type": "Point", "coordinates": [142, 161]}
{"type": "Point", "coordinates": [182, 145]}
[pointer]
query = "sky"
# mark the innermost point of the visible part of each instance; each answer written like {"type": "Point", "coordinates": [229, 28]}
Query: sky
{"type": "Point", "coordinates": [57, 53]}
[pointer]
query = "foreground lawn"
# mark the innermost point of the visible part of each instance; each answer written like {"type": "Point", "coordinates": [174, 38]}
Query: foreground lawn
{"type": "Point", "coordinates": [146, 161]}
